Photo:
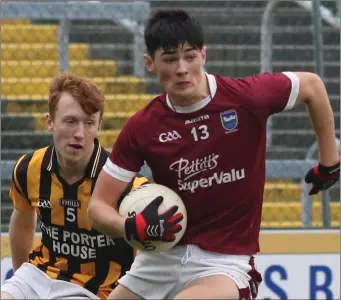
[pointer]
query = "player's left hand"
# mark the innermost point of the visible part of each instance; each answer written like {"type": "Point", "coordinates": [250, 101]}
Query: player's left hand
{"type": "Point", "coordinates": [322, 177]}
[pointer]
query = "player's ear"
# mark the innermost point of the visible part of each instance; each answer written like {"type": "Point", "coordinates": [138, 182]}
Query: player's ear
{"type": "Point", "coordinates": [49, 122]}
{"type": "Point", "coordinates": [149, 63]}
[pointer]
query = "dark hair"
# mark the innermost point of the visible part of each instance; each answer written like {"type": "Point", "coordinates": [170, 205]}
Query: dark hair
{"type": "Point", "coordinates": [84, 91]}
{"type": "Point", "coordinates": [168, 29]}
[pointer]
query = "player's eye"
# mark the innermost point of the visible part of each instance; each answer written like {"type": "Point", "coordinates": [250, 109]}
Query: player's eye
{"type": "Point", "coordinates": [170, 60]}
{"type": "Point", "coordinates": [191, 57]}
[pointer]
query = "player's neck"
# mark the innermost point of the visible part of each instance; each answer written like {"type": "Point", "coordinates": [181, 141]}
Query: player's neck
{"type": "Point", "coordinates": [72, 172]}
{"type": "Point", "coordinates": [201, 93]}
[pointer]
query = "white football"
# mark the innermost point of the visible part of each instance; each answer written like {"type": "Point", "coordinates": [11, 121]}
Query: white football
{"type": "Point", "coordinates": [139, 198]}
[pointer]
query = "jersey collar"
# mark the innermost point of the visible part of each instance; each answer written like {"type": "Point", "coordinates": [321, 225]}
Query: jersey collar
{"type": "Point", "coordinates": [50, 161]}
{"type": "Point", "coordinates": [192, 108]}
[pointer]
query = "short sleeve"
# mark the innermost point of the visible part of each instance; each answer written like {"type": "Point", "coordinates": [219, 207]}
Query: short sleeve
{"type": "Point", "coordinates": [20, 202]}
{"type": "Point", "coordinates": [267, 93]}
{"type": "Point", "coordinates": [125, 159]}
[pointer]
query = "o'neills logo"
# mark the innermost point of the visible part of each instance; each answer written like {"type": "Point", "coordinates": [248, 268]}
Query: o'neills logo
{"type": "Point", "coordinates": [186, 169]}
{"type": "Point", "coordinates": [70, 203]}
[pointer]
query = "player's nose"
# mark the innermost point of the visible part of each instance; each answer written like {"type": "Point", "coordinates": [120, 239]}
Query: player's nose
{"type": "Point", "coordinates": [182, 67]}
{"type": "Point", "coordinates": [79, 132]}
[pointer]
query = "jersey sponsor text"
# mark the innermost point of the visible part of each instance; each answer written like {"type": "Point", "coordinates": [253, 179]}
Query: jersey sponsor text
{"type": "Point", "coordinates": [186, 169]}
{"type": "Point", "coordinates": [217, 178]}
{"type": "Point", "coordinates": [80, 245]}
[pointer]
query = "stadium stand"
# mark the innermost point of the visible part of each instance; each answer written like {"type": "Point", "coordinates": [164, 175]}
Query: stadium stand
{"type": "Point", "coordinates": [103, 51]}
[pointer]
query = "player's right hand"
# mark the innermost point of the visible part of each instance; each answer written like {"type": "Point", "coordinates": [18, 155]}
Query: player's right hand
{"type": "Point", "coordinates": [149, 225]}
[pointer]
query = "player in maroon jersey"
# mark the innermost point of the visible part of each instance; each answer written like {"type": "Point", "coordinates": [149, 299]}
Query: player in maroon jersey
{"type": "Point", "coordinates": [205, 138]}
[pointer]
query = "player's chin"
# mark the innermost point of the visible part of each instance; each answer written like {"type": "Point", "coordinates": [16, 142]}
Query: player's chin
{"type": "Point", "coordinates": [187, 92]}
{"type": "Point", "coordinates": [74, 156]}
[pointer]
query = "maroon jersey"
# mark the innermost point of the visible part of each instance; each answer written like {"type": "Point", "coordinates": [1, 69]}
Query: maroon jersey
{"type": "Point", "coordinates": [212, 154]}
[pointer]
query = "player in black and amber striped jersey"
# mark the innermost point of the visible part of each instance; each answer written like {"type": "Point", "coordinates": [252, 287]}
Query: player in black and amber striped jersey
{"type": "Point", "coordinates": [55, 183]}
{"type": "Point", "coordinates": [69, 249]}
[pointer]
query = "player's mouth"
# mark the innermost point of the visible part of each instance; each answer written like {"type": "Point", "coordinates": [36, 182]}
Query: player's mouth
{"type": "Point", "coordinates": [76, 146]}
{"type": "Point", "coordinates": [183, 84]}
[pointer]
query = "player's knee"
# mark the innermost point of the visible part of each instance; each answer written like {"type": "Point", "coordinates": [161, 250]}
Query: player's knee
{"type": "Point", "coordinates": [5, 295]}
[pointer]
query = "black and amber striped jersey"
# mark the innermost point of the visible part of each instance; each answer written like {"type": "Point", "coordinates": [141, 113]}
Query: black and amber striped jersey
{"type": "Point", "coordinates": [70, 249]}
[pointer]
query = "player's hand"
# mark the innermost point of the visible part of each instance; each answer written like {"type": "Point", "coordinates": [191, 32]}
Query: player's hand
{"type": "Point", "coordinates": [149, 225]}
{"type": "Point", "coordinates": [322, 177]}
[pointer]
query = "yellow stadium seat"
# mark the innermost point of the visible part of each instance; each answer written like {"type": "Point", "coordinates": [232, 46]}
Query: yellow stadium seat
{"type": "Point", "coordinates": [29, 34]}
{"type": "Point", "coordinates": [287, 212]}
{"type": "Point", "coordinates": [15, 21]}
{"type": "Point", "coordinates": [36, 85]}
{"type": "Point", "coordinates": [49, 68]}
{"type": "Point", "coordinates": [27, 51]}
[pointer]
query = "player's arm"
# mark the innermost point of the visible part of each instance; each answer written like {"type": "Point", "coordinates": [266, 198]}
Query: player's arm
{"type": "Point", "coordinates": [111, 184]}
{"type": "Point", "coordinates": [102, 210]}
{"type": "Point", "coordinates": [21, 235]}
{"type": "Point", "coordinates": [313, 93]}
{"type": "Point", "coordinates": [271, 93]}
{"type": "Point", "coordinates": [23, 220]}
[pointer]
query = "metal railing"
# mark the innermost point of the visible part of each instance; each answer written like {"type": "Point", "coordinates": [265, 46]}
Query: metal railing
{"type": "Point", "coordinates": [130, 15]}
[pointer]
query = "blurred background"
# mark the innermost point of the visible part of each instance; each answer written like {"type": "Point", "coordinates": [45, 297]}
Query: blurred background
{"type": "Point", "coordinates": [103, 41]}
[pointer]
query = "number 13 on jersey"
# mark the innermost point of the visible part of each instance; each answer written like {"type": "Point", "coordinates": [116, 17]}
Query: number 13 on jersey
{"type": "Point", "coordinates": [200, 133]}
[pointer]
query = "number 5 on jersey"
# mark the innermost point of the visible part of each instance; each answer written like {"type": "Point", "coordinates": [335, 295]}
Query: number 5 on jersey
{"type": "Point", "coordinates": [70, 214]}
{"type": "Point", "coordinates": [200, 133]}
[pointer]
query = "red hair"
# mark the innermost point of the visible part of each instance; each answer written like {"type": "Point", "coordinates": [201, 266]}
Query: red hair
{"type": "Point", "coordinates": [85, 92]}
